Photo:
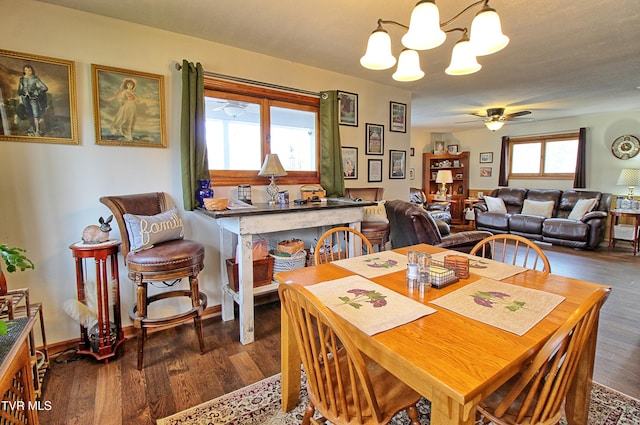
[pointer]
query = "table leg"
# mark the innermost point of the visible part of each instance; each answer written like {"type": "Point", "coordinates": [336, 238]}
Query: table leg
{"type": "Point", "coordinates": [614, 219]}
{"type": "Point", "coordinates": [290, 361]}
{"type": "Point", "coordinates": [635, 235]}
{"type": "Point", "coordinates": [227, 298]}
{"type": "Point", "coordinates": [445, 411]}
{"type": "Point", "coordinates": [245, 276]}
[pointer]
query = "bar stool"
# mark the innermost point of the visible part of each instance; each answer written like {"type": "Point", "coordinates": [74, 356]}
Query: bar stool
{"type": "Point", "coordinates": [166, 261]}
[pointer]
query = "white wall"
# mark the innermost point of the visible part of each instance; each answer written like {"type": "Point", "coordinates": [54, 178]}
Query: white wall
{"type": "Point", "coordinates": [603, 168]}
{"type": "Point", "coordinates": [50, 192]}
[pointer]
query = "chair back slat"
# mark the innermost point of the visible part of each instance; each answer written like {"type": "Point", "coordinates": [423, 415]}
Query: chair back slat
{"type": "Point", "coordinates": [513, 249]}
{"type": "Point", "coordinates": [339, 243]}
{"type": "Point", "coordinates": [538, 394]}
{"type": "Point", "coordinates": [337, 378]}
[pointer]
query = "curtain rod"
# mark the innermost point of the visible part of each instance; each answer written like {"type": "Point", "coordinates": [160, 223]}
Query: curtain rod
{"type": "Point", "coordinates": [253, 82]}
{"type": "Point", "coordinates": [550, 132]}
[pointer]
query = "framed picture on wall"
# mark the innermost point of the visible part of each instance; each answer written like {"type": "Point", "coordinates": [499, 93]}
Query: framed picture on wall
{"type": "Point", "coordinates": [350, 162]}
{"type": "Point", "coordinates": [374, 139]}
{"type": "Point", "coordinates": [398, 117]}
{"type": "Point", "coordinates": [38, 99]}
{"type": "Point", "coordinates": [397, 164]}
{"type": "Point", "coordinates": [439, 148]}
{"type": "Point", "coordinates": [375, 170]}
{"type": "Point", "coordinates": [452, 149]}
{"type": "Point", "coordinates": [128, 107]}
{"type": "Point", "coordinates": [485, 171]}
{"type": "Point", "coordinates": [486, 157]}
{"type": "Point", "coordinates": [348, 108]}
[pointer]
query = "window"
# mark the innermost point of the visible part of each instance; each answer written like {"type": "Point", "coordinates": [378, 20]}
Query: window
{"type": "Point", "coordinates": [244, 123]}
{"type": "Point", "coordinates": [557, 157]}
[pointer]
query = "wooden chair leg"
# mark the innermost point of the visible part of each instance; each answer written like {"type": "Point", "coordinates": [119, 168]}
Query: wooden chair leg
{"type": "Point", "coordinates": [141, 335]}
{"type": "Point", "coordinates": [198, 325]}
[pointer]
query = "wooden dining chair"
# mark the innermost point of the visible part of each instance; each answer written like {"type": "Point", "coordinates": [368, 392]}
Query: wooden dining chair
{"type": "Point", "coordinates": [537, 394]}
{"type": "Point", "coordinates": [512, 249]}
{"type": "Point", "coordinates": [339, 243]}
{"type": "Point", "coordinates": [344, 386]}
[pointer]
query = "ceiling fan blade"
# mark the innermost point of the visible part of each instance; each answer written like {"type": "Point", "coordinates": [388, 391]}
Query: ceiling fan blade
{"type": "Point", "coordinates": [517, 114]}
{"type": "Point", "coordinates": [479, 115]}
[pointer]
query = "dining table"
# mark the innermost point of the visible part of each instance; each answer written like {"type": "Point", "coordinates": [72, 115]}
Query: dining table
{"type": "Point", "coordinates": [451, 358]}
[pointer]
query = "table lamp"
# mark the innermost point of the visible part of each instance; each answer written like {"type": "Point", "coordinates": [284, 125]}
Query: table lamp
{"type": "Point", "coordinates": [272, 168]}
{"type": "Point", "coordinates": [444, 177]}
{"type": "Point", "coordinates": [629, 177]}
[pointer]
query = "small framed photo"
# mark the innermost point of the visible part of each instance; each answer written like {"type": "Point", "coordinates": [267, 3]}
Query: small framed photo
{"type": "Point", "coordinates": [439, 148]}
{"type": "Point", "coordinates": [375, 170]}
{"type": "Point", "coordinates": [37, 99]}
{"type": "Point", "coordinates": [128, 107]}
{"type": "Point", "coordinates": [350, 162]}
{"type": "Point", "coordinates": [398, 117]}
{"type": "Point", "coordinates": [374, 139]}
{"type": "Point", "coordinates": [452, 149]}
{"type": "Point", "coordinates": [434, 175]}
{"type": "Point", "coordinates": [459, 176]}
{"type": "Point", "coordinates": [397, 164]}
{"type": "Point", "coordinates": [485, 171]}
{"type": "Point", "coordinates": [348, 107]}
{"type": "Point", "coordinates": [486, 157]}
{"type": "Point", "coordinates": [456, 162]}
{"type": "Point", "coordinates": [412, 151]}
{"type": "Point", "coordinates": [412, 173]}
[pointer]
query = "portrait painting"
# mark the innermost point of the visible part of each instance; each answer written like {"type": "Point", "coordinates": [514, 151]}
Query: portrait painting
{"type": "Point", "coordinates": [348, 108]}
{"type": "Point", "coordinates": [350, 162]}
{"type": "Point", "coordinates": [38, 99]}
{"type": "Point", "coordinates": [128, 107]}
{"type": "Point", "coordinates": [439, 147]}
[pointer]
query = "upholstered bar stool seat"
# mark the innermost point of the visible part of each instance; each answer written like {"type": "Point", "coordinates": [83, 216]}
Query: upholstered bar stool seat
{"type": "Point", "coordinates": [376, 232]}
{"type": "Point", "coordinates": [166, 261]}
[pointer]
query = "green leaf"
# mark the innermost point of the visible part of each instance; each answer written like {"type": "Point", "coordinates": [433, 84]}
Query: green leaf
{"type": "Point", "coordinates": [355, 305]}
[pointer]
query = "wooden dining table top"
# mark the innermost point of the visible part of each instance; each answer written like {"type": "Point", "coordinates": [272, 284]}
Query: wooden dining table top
{"type": "Point", "coordinates": [452, 360]}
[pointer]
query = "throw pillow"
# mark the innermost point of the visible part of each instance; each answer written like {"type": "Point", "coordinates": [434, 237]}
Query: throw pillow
{"type": "Point", "coordinates": [147, 230]}
{"type": "Point", "coordinates": [582, 207]}
{"type": "Point", "coordinates": [541, 208]}
{"type": "Point", "coordinates": [495, 204]}
{"type": "Point", "coordinates": [376, 213]}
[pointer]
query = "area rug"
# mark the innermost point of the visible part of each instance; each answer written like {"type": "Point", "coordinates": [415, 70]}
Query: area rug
{"type": "Point", "coordinates": [259, 404]}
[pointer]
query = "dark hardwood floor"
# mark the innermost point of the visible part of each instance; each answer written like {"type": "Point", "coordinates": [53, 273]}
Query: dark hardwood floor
{"type": "Point", "coordinates": [175, 376]}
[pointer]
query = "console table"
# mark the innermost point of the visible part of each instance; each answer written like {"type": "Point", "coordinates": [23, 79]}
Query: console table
{"type": "Point", "coordinates": [615, 215]}
{"type": "Point", "coordinates": [261, 219]}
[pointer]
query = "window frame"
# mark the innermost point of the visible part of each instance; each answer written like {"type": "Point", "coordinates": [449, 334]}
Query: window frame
{"type": "Point", "coordinates": [215, 87]}
{"type": "Point", "coordinates": [543, 140]}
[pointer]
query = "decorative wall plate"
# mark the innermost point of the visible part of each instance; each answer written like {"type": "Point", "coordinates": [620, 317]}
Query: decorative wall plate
{"type": "Point", "coordinates": [625, 147]}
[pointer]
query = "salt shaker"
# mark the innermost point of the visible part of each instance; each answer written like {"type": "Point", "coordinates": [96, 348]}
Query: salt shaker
{"type": "Point", "coordinates": [412, 269]}
{"type": "Point", "coordinates": [424, 267]}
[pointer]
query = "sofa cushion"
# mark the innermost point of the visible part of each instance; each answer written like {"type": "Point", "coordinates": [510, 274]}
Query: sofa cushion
{"type": "Point", "coordinates": [569, 199]}
{"type": "Point", "coordinates": [562, 228]}
{"type": "Point", "coordinates": [493, 222]}
{"type": "Point", "coordinates": [513, 197]}
{"type": "Point", "coordinates": [582, 207]}
{"type": "Point", "coordinates": [539, 208]}
{"type": "Point", "coordinates": [495, 205]}
{"type": "Point", "coordinates": [522, 224]}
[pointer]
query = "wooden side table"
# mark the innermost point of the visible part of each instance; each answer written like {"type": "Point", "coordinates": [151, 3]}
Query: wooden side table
{"type": "Point", "coordinates": [615, 215]}
{"type": "Point", "coordinates": [106, 340]}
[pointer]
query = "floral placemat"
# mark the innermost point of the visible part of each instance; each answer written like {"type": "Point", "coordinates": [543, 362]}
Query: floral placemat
{"type": "Point", "coordinates": [367, 305]}
{"type": "Point", "coordinates": [509, 307]}
{"type": "Point", "coordinates": [374, 265]}
{"type": "Point", "coordinates": [484, 267]}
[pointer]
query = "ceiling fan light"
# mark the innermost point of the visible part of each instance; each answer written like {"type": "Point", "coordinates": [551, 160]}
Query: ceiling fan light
{"type": "Point", "coordinates": [378, 55]}
{"type": "Point", "coordinates": [408, 66]}
{"type": "Point", "coordinates": [424, 28]}
{"type": "Point", "coordinates": [233, 111]}
{"type": "Point", "coordinates": [486, 32]}
{"type": "Point", "coordinates": [463, 59]}
{"type": "Point", "coordinates": [494, 125]}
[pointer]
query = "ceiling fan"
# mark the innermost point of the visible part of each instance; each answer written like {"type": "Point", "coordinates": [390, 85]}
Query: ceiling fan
{"type": "Point", "coordinates": [495, 117]}
{"type": "Point", "coordinates": [233, 108]}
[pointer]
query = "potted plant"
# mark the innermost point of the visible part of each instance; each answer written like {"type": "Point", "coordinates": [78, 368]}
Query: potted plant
{"type": "Point", "coordinates": [14, 259]}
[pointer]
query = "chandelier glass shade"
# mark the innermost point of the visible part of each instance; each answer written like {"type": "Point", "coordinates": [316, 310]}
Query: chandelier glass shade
{"type": "Point", "coordinates": [425, 31]}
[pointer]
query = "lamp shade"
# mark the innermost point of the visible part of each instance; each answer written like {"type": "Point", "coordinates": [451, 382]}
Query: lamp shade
{"type": "Point", "coordinates": [272, 166]}
{"type": "Point", "coordinates": [486, 32]}
{"type": "Point", "coordinates": [424, 27]}
{"type": "Point", "coordinates": [378, 55]}
{"type": "Point", "coordinates": [463, 59]}
{"type": "Point", "coordinates": [494, 125]}
{"type": "Point", "coordinates": [444, 176]}
{"type": "Point", "coordinates": [629, 177]}
{"type": "Point", "coordinates": [408, 66]}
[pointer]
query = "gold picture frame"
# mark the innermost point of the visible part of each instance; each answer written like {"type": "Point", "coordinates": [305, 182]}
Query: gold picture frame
{"type": "Point", "coordinates": [128, 107]}
{"type": "Point", "coordinates": [38, 99]}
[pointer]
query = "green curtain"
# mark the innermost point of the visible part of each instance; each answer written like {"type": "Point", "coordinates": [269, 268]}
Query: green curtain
{"type": "Point", "coordinates": [331, 172]}
{"type": "Point", "coordinates": [193, 142]}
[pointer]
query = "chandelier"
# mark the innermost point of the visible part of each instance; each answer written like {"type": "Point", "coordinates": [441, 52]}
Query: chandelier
{"type": "Point", "coordinates": [425, 31]}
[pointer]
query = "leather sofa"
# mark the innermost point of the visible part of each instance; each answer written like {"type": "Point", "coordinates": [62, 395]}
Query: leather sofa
{"type": "Point", "coordinates": [438, 210]}
{"type": "Point", "coordinates": [585, 232]}
{"type": "Point", "coordinates": [411, 225]}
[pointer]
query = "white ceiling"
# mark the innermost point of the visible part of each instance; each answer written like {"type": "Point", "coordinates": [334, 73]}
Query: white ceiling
{"type": "Point", "coordinates": [566, 57]}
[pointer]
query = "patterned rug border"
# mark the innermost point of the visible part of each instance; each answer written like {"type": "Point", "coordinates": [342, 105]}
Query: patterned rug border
{"type": "Point", "coordinates": [259, 404]}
